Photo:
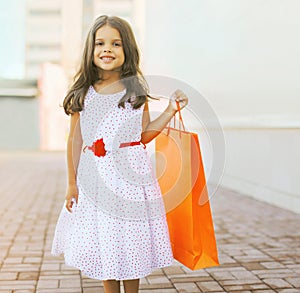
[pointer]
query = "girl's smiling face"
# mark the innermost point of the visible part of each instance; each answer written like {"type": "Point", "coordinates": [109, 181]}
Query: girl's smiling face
{"type": "Point", "coordinates": [108, 50]}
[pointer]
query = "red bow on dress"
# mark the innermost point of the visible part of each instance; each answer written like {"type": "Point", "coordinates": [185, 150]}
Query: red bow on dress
{"type": "Point", "coordinates": [98, 148]}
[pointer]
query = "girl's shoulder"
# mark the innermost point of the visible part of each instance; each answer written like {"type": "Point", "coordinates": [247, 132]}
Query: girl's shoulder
{"type": "Point", "coordinates": [87, 96]}
{"type": "Point", "coordinates": [89, 92]}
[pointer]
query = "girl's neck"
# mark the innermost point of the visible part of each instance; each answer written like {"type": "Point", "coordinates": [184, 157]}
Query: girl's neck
{"type": "Point", "coordinates": [109, 78]}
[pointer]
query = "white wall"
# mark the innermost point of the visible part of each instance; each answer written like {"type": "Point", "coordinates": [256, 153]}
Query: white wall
{"type": "Point", "coordinates": [243, 56]}
{"type": "Point", "coordinates": [264, 163]}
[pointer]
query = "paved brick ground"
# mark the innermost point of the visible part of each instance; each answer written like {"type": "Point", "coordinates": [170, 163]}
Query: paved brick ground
{"type": "Point", "coordinates": [259, 245]}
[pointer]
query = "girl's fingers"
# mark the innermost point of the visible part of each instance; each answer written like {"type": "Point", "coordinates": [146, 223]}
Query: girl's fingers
{"type": "Point", "coordinates": [180, 97]}
{"type": "Point", "coordinates": [69, 203]}
{"type": "Point", "coordinates": [69, 206]}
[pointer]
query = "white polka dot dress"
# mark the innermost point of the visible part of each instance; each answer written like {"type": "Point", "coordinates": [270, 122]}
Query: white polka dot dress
{"type": "Point", "coordinates": [118, 229]}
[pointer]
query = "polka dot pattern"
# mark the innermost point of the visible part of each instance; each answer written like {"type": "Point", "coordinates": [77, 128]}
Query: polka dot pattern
{"type": "Point", "coordinates": [118, 229]}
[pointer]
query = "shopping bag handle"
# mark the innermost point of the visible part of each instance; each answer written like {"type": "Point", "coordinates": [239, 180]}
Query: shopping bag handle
{"type": "Point", "coordinates": [174, 120]}
{"type": "Point", "coordinates": [180, 117]}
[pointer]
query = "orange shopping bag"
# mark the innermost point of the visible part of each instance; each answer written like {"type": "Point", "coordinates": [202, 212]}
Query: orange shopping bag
{"type": "Point", "coordinates": [182, 181]}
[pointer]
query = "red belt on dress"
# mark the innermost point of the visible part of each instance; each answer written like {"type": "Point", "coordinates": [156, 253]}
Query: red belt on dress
{"type": "Point", "coordinates": [99, 150]}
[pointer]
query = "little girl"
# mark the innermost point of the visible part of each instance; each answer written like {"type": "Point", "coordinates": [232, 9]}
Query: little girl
{"type": "Point", "coordinates": [113, 225]}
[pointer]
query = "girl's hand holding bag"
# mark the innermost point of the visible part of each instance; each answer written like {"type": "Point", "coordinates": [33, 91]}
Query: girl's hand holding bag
{"type": "Point", "coordinates": [182, 181]}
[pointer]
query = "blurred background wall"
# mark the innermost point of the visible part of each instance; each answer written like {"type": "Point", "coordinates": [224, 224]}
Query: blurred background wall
{"type": "Point", "coordinates": [243, 56]}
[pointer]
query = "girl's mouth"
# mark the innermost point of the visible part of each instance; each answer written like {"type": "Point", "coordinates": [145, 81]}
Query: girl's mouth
{"type": "Point", "coordinates": [107, 59]}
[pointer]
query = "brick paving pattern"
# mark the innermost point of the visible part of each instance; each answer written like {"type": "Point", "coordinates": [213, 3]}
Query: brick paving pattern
{"type": "Point", "coordinates": [259, 244]}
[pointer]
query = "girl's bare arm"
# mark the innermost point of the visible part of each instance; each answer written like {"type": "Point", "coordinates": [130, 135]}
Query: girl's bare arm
{"type": "Point", "coordinates": [152, 128]}
{"type": "Point", "coordinates": [74, 146]}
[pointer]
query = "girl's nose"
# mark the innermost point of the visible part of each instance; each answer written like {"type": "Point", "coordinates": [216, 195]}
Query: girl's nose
{"type": "Point", "coordinates": [107, 50]}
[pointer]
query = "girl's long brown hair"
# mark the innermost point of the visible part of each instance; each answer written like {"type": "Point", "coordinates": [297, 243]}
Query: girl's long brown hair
{"type": "Point", "coordinates": [88, 73]}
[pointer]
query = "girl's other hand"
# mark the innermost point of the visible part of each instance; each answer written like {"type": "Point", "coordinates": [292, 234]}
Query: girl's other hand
{"type": "Point", "coordinates": [180, 97]}
{"type": "Point", "coordinates": [72, 193]}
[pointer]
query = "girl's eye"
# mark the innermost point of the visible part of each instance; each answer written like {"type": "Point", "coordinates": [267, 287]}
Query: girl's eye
{"type": "Point", "coordinates": [114, 44]}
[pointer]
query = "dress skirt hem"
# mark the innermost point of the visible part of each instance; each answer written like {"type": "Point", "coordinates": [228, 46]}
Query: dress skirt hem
{"type": "Point", "coordinates": [114, 277]}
